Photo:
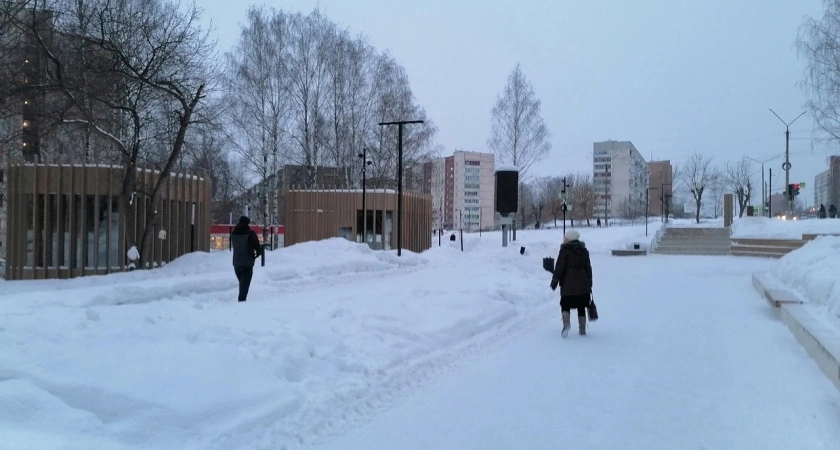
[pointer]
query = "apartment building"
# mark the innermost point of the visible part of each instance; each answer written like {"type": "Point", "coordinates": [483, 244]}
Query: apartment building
{"type": "Point", "coordinates": [822, 189]}
{"type": "Point", "coordinates": [621, 177]}
{"type": "Point", "coordinates": [463, 191]}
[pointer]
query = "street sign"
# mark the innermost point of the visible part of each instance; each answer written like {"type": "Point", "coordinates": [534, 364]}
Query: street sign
{"type": "Point", "coordinates": [801, 184]}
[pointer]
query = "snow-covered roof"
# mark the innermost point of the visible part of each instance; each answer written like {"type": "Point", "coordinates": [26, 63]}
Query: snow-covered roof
{"type": "Point", "coordinates": [507, 168]}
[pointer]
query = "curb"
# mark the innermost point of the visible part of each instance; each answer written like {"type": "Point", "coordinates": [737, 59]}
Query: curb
{"type": "Point", "coordinates": [820, 341]}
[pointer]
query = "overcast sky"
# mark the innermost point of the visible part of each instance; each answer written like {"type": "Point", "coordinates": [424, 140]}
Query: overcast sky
{"type": "Point", "coordinates": [672, 77]}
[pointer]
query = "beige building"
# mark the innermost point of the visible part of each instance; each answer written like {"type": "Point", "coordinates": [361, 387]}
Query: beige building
{"type": "Point", "coordinates": [463, 191]}
{"type": "Point", "coordinates": [660, 187]}
{"type": "Point", "coordinates": [621, 176]}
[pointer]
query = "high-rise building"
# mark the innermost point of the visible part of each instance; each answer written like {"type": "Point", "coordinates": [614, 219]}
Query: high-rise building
{"type": "Point", "coordinates": [463, 191]}
{"type": "Point", "coordinates": [660, 186]}
{"type": "Point", "coordinates": [621, 176]}
{"type": "Point", "coordinates": [822, 189]}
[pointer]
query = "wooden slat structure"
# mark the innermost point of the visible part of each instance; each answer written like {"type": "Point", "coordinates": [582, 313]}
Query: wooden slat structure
{"type": "Point", "coordinates": [67, 221]}
{"type": "Point", "coordinates": [315, 214]}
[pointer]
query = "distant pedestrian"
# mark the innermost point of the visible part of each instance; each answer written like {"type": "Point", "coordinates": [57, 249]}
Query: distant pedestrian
{"type": "Point", "coordinates": [246, 248]}
{"type": "Point", "coordinates": [573, 273]}
{"type": "Point", "coordinates": [599, 222]}
{"type": "Point", "coordinates": [832, 211]}
{"type": "Point", "coordinates": [823, 214]}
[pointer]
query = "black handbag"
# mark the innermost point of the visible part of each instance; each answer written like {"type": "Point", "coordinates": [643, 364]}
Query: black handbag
{"type": "Point", "coordinates": [592, 310]}
{"type": "Point", "coordinates": [548, 264]}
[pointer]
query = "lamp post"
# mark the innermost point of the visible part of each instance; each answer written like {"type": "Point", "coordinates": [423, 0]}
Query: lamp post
{"type": "Point", "coordinates": [563, 206]}
{"type": "Point", "coordinates": [786, 166]}
{"type": "Point", "coordinates": [400, 124]}
{"type": "Point", "coordinates": [763, 191]}
{"type": "Point", "coordinates": [365, 163]}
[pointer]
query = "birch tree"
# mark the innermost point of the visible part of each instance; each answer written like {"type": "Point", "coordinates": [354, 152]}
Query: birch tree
{"type": "Point", "coordinates": [518, 134]}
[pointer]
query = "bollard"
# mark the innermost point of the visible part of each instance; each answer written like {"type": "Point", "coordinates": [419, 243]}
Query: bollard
{"type": "Point", "coordinates": [262, 254]}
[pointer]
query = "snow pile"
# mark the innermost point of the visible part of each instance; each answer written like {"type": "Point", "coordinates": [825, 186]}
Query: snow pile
{"type": "Point", "coordinates": [773, 228]}
{"type": "Point", "coordinates": [168, 359]}
{"type": "Point", "coordinates": [812, 271]}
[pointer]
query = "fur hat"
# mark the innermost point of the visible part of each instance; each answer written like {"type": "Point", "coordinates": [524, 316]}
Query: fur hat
{"type": "Point", "coordinates": [572, 235]}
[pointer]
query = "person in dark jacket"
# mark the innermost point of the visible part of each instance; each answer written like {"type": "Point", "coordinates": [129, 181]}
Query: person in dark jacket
{"type": "Point", "coordinates": [823, 214]}
{"type": "Point", "coordinates": [246, 248]}
{"type": "Point", "coordinates": [573, 273]}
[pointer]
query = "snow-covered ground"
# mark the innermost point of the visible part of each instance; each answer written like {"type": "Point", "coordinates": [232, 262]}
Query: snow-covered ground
{"type": "Point", "coordinates": [773, 228]}
{"type": "Point", "coordinates": [333, 334]}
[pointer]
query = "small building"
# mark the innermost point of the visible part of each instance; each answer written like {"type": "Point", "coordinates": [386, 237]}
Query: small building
{"type": "Point", "coordinates": [68, 221]}
{"type": "Point", "coordinates": [315, 214]}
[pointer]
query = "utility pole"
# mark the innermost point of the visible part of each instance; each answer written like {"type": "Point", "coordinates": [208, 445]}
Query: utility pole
{"type": "Point", "coordinates": [399, 124]}
{"type": "Point", "coordinates": [786, 166]}
{"type": "Point", "coordinates": [770, 195]}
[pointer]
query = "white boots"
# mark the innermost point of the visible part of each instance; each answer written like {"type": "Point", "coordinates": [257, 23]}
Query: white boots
{"type": "Point", "coordinates": [567, 324]}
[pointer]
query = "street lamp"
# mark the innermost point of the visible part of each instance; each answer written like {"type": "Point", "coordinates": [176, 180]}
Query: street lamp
{"type": "Point", "coordinates": [763, 192]}
{"type": "Point", "coordinates": [365, 163]}
{"type": "Point", "coordinates": [786, 165]}
{"type": "Point", "coordinates": [399, 124]}
{"type": "Point", "coordinates": [563, 207]}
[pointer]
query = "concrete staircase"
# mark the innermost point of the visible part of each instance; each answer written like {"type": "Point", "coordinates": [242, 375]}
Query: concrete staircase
{"type": "Point", "coordinates": [694, 241]}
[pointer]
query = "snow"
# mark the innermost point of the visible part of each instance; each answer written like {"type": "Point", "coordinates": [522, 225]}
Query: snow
{"type": "Point", "coordinates": [812, 272]}
{"type": "Point", "coordinates": [133, 254]}
{"type": "Point", "coordinates": [773, 228]}
{"type": "Point", "coordinates": [338, 342]}
{"type": "Point", "coordinates": [507, 168]}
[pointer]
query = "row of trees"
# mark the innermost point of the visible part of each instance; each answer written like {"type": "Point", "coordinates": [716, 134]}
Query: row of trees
{"type": "Point", "coordinates": [139, 83]}
{"type": "Point", "coordinates": [697, 180]}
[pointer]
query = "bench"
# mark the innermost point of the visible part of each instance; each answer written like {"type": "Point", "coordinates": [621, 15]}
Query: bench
{"type": "Point", "coordinates": [634, 252]}
{"type": "Point", "coordinates": [778, 297]}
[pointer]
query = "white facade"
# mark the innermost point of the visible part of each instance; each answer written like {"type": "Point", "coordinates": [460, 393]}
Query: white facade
{"type": "Point", "coordinates": [467, 200]}
{"type": "Point", "coordinates": [621, 176]}
{"type": "Point", "coordinates": [822, 189]}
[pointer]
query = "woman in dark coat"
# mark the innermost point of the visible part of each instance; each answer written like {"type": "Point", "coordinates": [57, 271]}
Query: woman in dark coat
{"type": "Point", "coordinates": [573, 273]}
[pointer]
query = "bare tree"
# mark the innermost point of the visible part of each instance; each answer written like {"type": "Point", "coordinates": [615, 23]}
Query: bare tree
{"type": "Point", "coordinates": [151, 60]}
{"type": "Point", "coordinates": [697, 174]}
{"type": "Point", "coordinates": [583, 197]}
{"type": "Point", "coordinates": [737, 176]}
{"type": "Point", "coordinates": [518, 134]}
{"type": "Point", "coordinates": [630, 210]}
{"type": "Point", "coordinates": [818, 42]}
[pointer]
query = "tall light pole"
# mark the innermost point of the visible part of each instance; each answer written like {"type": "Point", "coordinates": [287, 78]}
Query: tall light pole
{"type": "Point", "coordinates": [365, 163]}
{"type": "Point", "coordinates": [763, 191]}
{"type": "Point", "coordinates": [400, 124]}
{"type": "Point", "coordinates": [786, 165]}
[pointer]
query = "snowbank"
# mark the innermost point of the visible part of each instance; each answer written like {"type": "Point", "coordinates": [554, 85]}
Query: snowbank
{"type": "Point", "coordinates": [772, 228]}
{"type": "Point", "coordinates": [813, 271]}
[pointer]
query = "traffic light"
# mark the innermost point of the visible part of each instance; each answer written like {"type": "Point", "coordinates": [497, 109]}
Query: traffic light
{"type": "Point", "coordinates": [795, 189]}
